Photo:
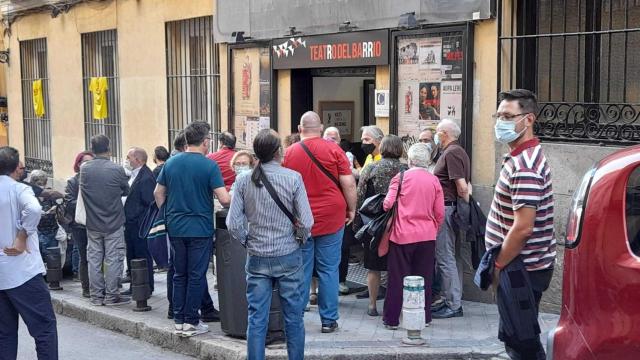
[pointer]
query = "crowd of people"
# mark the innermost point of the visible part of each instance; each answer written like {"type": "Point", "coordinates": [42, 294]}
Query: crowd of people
{"type": "Point", "coordinates": [298, 207]}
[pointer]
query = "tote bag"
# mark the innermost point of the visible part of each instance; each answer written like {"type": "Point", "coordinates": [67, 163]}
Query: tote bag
{"type": "Point", "coordinates": [81, 212]}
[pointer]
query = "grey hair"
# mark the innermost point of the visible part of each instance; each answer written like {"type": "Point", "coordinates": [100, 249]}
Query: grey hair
{"type": "Point", "coordinates": [419, 155]}
{"type": "Point", "coordinates": [331, 129]}
{"type": "Point", "coordinates": [452, 129]}
{"type": "Point", "coordinates": [39, 177]}
{"type": "Point", "coordinates": [374, 131]}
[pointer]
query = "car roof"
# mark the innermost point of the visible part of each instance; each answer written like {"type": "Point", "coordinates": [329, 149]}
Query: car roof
{"type": "Point", "coordinates": [616, 161]}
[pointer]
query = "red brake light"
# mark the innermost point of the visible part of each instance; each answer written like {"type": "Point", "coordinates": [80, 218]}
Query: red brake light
{"type": "Point", "coordinates": [574, 221]}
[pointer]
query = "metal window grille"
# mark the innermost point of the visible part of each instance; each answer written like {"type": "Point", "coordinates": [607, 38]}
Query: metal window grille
{"type": "Point", "coordinates": [100, 59]}
{"type": "Point", "coordinates": [580, 57]}
{"type": "Point", "coordinates": [192, 74]}
{"type": "Point", "coordinates": [37, 130]}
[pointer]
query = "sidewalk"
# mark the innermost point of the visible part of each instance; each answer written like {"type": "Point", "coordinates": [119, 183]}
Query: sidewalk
{"type": "Point", "coordinates": [360, 336]}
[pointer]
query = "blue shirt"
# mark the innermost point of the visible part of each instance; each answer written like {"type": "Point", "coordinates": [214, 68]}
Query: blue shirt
{"type": "Point", "coordinates": [190, 179]}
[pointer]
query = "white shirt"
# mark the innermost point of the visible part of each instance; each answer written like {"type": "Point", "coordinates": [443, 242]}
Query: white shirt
{"type": "Point", "coordinates": [19, 209]}
{"type": "Point", "coordinates": [132, 178]}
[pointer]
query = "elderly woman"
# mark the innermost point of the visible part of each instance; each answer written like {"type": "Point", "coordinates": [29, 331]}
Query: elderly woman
{"type": "Point", "coordinates": [48, 226]}
{"type": "Point", "coordinates": [78, 232]}
{"type": "Point", "coordinates": [375, 179]}
{"type": "Point", "coordinates": [242, 162]}
{"type": "Point", "coordinates": [419, 214]}
{"type": "Point", "coordinates": [371, 140]}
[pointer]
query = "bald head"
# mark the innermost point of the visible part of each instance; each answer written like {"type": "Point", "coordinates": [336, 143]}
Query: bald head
{"type": "Point", "coordinates": [310, 125]}
{"type": "Point", "coordinates": [137, 157]}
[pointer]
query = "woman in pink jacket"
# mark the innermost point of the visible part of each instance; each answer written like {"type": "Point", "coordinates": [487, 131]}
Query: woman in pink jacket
{"type": "Point", "coordinates": [412, 242]}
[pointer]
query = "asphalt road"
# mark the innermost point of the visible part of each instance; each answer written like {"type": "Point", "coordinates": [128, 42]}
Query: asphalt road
{"type": "Point", "coordinates": [79, 340]}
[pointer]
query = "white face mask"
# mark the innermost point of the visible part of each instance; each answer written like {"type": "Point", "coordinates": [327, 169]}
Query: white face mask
{"type": "Point", "coordinates": [127, 165]}
{"type": "Point", "coordinates": [242, 169]}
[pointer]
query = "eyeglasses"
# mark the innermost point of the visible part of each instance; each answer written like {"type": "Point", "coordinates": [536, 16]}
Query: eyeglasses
{"type": "Point", "coordinates": [497, 116]}
{"type": "Point", "coordinates": [426, 141]}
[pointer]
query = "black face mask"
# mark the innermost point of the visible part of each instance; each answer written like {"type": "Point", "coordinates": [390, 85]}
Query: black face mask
{"type": "Point", "coordinates": [368, 148]}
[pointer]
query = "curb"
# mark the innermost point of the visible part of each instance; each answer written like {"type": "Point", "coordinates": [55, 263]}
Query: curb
{"type": "Point", "coordinates": [225, 348]}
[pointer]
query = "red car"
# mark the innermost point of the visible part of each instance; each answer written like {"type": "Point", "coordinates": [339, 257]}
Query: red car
{"type": "Point", "coordinates": [600, 316]}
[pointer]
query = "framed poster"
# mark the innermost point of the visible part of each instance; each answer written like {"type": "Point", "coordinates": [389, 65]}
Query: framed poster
{"type": "Point", "coordinates": [338, 114]}
{"type": "Point", "coordinates": [382, 103]}
{"type": "Point", "coordinates": [246, 81]}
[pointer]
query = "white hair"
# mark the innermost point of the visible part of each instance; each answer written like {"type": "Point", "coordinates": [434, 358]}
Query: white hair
{"type": "Point", "coordinates": [373, 131]}
{"type": "Point", "coordinates": [331, 129]}
{"type": "Point", "coordinates": [419, 155]}
{"type": "Point", "coordinates": [450, 127]}
{"type": "Point", "coordinates": [39, 177]}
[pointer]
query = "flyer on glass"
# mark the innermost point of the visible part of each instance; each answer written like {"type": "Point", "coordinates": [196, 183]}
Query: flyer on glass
{"type": "Point", "coordinates": [246, 81]}
{"type": "Point", "coordinates": [451, 103]}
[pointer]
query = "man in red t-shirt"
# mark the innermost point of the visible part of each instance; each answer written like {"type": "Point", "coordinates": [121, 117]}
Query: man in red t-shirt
{"type": "Point", "coordinates": [332, 196]}
{"type": "Point", "coordinates": [223, 158]}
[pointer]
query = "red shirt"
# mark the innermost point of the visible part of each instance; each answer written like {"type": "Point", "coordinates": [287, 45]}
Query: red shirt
{"type": "Point", "coordinates": [328, 205]}
{"type": "Point", "coordinates": [223, 158]}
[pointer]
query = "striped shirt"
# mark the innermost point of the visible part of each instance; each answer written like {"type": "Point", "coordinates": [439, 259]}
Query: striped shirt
{"type": "Point", "coordinates": [525, 181]}
{"type": "Point", "coordinates": [255, 219]}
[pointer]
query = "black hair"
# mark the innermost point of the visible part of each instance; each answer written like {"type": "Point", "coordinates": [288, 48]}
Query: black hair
{"type": "Point", "coordinates": [100, 144]}
{"type": "Point", "coordinates": [179, 143]}
{"type": "Point", "coordinates": [9, 160]}
{"type": "Point", "coordinates": [228, 139]}
{"type": "Point", "coordinates": [265, 145]}
{"type": "Point", "coordinates": [196, 132]}
{"type": "Point", "coordinates": [161, 153]}
{"type": "Point", "coordinates": [526, 99]}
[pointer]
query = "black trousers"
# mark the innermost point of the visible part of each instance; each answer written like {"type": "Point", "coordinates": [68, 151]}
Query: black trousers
{"type": "Point", "coordinates": [79, 236]}
{"type": "Point", "coordinates": [137, 249]}
{"type": "Point", "coordinates": [533, 350]}
{"type": "Point", "coordinates": [347, 240]}
{"type": "Point", "coordinates": [30, 301]}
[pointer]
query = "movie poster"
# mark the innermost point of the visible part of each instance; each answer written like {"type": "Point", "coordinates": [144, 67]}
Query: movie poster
{"type": "Point", "coordinates": [408, 114]}
{"type": "Point", "coordinates": [240, 131]}
{"type": "Point", "coordinates": [246, 81]}
{"type": "Point", "coordinates": [451, 102]}
{"type": "Point", "coordinates": [429, 98]}
{"type": "Point", "coordinates": [452, 56]}
{"type": "Point", "coordinates": [430, 59]}
{"type": "Point", "coordinates": [408, 61]}
{"type": "Point", "coordinates": [340, 119]}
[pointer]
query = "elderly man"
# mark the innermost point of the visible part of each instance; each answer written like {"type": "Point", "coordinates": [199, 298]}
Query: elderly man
{"type": "Point", "coordinates": [223, 157]}
{"type": "Point", "coordinates": [426, 137]}
{"type": "Point", "coordinates": [48, 226]}
{"type": "Point", "coordinates": [23, 292]}
{"type": "Point", "coordinates": [453, 169]}
{"type": "Point", "coordinates": [141, 186]}
{"type": "Point", "coordinates": [332, 134]}
{"type": "Point", "coordinates": [371, 139]}
{"type": "Point", "coordinates": [331, 189]}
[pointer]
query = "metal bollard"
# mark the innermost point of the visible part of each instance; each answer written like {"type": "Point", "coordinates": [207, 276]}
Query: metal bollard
{"type": "Point", "coordinates": [54, 268]}
{"type": "Point", "coordinates": [140, 290]}
{"type": "Point", "coordinates": [413, 317]}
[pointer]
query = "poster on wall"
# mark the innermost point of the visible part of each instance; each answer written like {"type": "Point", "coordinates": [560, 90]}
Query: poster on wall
{"type": "Point", "coordinates": [382, 103]}
{"type": "Point", "coordinates": [246, 81]}
{"type": "Point", "coordinates": [408, 61]}
{"type": "Point", "coordinates": [338, 114]}
{"type": "Point", "coordinates": [451, 101]}
{"type": "Point", "coordinates": [452, 56]}
{"type": "Point", "coordinates": [408, 101]}
{"type": "Point", "coordinates": [247, 127]}
{"type": "Point", "coordinates": [429, 101]}
{"type": "Point", "coordinates": [430, 58]}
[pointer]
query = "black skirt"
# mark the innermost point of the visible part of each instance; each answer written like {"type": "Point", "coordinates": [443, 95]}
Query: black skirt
{"type": "Point", "coordinates": [372, 261]}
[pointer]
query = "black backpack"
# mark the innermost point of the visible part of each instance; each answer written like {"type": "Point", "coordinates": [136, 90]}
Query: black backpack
{"type": "Point", "coordinates": [64, 218]}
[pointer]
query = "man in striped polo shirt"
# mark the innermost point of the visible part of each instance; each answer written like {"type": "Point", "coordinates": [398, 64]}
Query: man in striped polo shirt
{"type": "Point", "coordinates": [521, 215]}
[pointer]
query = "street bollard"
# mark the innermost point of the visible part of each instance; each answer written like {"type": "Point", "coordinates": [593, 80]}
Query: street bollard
{"type": "Point", "coordinates": [54, 268]}
{"type": "Point", "coordinates": [413, 316]}
{"type": "Point", "coordinates": [140, 290]}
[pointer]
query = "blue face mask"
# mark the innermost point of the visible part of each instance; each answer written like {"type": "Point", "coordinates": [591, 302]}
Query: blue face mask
{"type": "Point", "coordinates": [436, 139]}
{"type": "Point", "coordinates": [506, 131]}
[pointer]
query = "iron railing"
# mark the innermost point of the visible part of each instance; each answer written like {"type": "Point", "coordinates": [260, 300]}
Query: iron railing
{"type": "Point", "coordinates": [578, 56]}
{"type": "Point", "coordinates": [192, 75]}
{"type": "Point", "coordinates": [37, 130]}
{"type": "Point", "coordinates": [100, 59]}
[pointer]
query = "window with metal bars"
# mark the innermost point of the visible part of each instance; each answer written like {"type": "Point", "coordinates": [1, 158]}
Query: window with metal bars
{"type": "Point", "coordinates": [192, 74]}
{"type": "Point", "coordinates": [100, 59]}
{"type": "Point", "coordinates": [580, 57]}
{"type": "Point", "coordinates": [37, 127]}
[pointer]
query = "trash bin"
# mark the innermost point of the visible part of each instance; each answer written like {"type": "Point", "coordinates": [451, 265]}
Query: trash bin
{"type": "Point", "coordinates": [232, 287]}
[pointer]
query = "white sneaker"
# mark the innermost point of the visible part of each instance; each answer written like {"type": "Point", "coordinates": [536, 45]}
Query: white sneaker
{"type": "Point", "coordinates": [193, 330]}
{"type": "Point", "coordinates": [343, 288]}
{"type": "Point", "coordinates": [177, 329]}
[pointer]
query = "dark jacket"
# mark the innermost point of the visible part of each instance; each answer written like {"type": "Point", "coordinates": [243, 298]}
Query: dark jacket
{"type": "Point", "coordinates": [471, 221]}
{"type": "Point", "coordinates": [157, 170]}
{"type": "Point", "coordinates": [140, 196]}
{"type": "Point", "coordinates": [103, 183]}
{"type": "Point", "coordinates": [71, 198]}
{"type": "Point", "coordinates": [515, 300]}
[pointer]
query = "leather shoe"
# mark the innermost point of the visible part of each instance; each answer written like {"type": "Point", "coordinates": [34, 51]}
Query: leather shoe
{"type": "Point", "coordinates": [211, 316]}
{"type": "Point", "coordinates": [438, 306]}
{"type": "Point", "coordinates": [446, 313]}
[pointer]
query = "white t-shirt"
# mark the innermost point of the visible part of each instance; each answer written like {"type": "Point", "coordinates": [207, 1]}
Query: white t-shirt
{"type": "Point", "coordinates": [19, 209]}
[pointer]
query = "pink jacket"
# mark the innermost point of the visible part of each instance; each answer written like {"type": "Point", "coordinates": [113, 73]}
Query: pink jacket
{"type": "Point", "coordinates": [420, 207]}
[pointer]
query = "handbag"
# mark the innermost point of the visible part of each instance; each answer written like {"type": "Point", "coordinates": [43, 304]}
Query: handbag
{"type": "Point", "coordinates": [380, 241]}
{"type": "Point", "coordinates": [299, 231]}
{"type": "Point", "coordinates": [81, 213]}
{"type": "Point", "coordinates": [153, 229]}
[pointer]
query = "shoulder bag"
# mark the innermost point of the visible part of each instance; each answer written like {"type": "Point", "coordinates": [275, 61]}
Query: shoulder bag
{"type": "Point", "coordinates": [298, 229]}
{"type": "Point", "coordinates": [319, 165]}
{"type": "Point", "coordinates": [81, 213]}
{"type": "Point", "coordinates": [381, 238]}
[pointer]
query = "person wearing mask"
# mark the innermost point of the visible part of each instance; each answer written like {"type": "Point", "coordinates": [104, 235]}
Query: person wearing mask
{"type": "Point", "coordinates": [160, 156]}
{"type": "Point", "coordinates": [78, 231]}
{"type": "Point", "coordinates": [187, 185]}
{"type": "Point", "coordinates": [426, 137]}
{"type": "Point", "coordinates": [371, 138]}
{"type": "Point", "coordinates": [141, 186]}
{"type": "Point", "coordinates": [331, 189]}
{"type": "Point", "coordinates": [521, 216]}
{"type": "Point", "coordinates": [412, 245]}
{"type": "Point", "coordinates": [48, 226]}
{"type": "Point", "coordinates": [242, 162]}
{"type": "Point", "coordinates": [453, 169]}
{"type": "Point", "coordinates": [223, 157]}
{"type": "Point", "coordinates": [274, 254]}
{"type": "Point", "coordinates": [332, 134]}
{"type": "Point", "coordinates": [375, 180]}
{"type": "Point", "coordinates": [23, 292]}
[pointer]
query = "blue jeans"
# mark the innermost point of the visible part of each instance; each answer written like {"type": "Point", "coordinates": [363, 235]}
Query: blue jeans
{"type": "Point", "coordinates": [262, 274]}
{"type": "Point", "coordinates": [324, 251]}
{"type": "Point", "coordinates": [190, 261]}
{"type": "Point", "coordinates": [46, 240]}
{"type": "Point", "coordinates": [207, 306]}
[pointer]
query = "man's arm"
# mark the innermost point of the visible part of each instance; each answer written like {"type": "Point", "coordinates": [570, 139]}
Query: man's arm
{"type": "Point", "coordinates": [30, 213]}
{"type": "Point", "coordinates": [523, 222]}
{"type": "Point", "coordinates": [223, 196]}
{"type": "Point", "coordinates": [463, 189]}
{"type": "Point", "coordinates": [236, 219]}
{"type": "Point", "coordinates": [348, 185]}
{"type": "Point", "coordinates": [160, 194]}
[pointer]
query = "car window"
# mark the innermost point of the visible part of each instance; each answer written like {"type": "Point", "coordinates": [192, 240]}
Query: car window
{"type": "Point", "coordinates": [632, 210]}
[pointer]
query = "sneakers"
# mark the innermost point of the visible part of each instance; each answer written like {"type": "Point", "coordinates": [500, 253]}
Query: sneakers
{"type": "Point", "coordinates": [343, 288]}
{"type": "Point", "coordinates": [121, 300]}
{"type": "Point", "coordinates": [446, 313]}
{"type": "Point", "coordinates": [329, 328]}
{"type": "Point", "coordinates": [390, 327]}
{"type": "Point", "coordinates": [189, 330]}
{"type": "Point", "coordinates": [177, 329]}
